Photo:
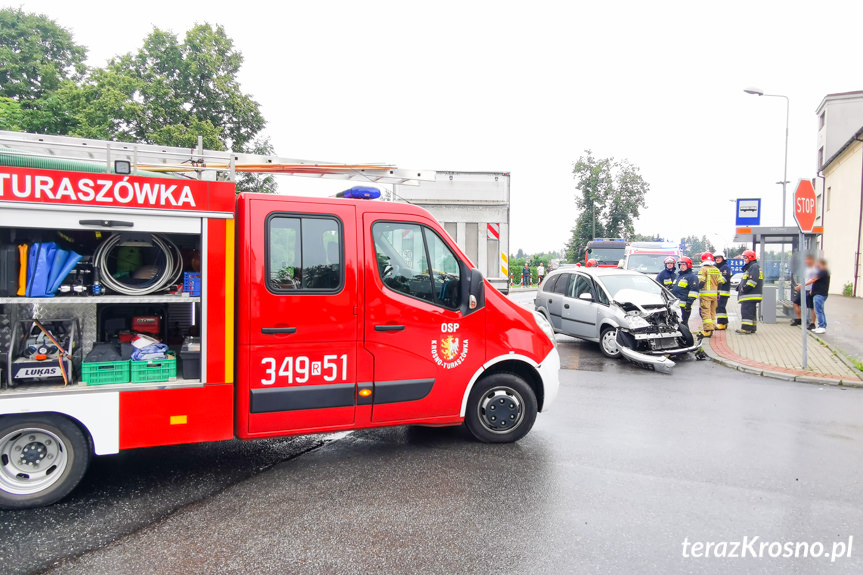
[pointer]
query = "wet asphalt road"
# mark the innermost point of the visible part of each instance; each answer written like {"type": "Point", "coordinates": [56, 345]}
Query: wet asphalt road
{"type": "Point", "coordinates": [625, 466]}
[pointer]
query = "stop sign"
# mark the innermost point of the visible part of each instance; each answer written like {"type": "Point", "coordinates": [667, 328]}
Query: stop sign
{"type": "Point", "coordinates": [804, 206]}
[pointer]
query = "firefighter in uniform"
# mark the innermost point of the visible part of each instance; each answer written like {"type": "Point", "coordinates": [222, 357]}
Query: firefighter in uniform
{"type": "Point", "coordinates": [685, 287]}
{"type": "Point", "coordinates": [724, 290]}
{"type": "Point", "coordinates": [665, 278]}
{"type": "Point", "coordinates": [709, 280]}
{"type": "Point", "coordinates": [749, 293]}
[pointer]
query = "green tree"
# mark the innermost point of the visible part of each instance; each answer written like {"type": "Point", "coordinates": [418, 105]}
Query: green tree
{"type": "Point", "coordinates": [12, 117]}
{"type": "Point", "coordinates": [36, 55]}
{"type": "Point", "coordinates": [261, 183]}
{"type": "Point", "coordinates": [693, 245]}
{"type": "Point", "coordinates": [169, 93]}
{"type": "Point", "coordinates": [609, 195]}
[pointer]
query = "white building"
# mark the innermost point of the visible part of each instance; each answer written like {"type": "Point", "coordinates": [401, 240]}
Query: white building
{"type": "Point", "coordinates": [840, 163]}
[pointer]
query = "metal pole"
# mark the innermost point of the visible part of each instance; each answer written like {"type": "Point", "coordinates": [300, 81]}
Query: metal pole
{"type": "Point", "coordinates": [804, 317]}
{"type": "Point", "coordinates": [785, 171]}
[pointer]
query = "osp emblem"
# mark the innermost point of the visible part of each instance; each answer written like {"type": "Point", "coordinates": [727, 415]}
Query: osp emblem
{"type": "Point", "coordinates": [449, 351]}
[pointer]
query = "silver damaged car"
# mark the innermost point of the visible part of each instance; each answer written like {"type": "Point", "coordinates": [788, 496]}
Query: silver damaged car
{"type": "Point", "coordinates": [626, 312]}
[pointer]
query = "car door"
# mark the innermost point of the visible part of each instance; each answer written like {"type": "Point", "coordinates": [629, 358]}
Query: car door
{"type": "Point", "coordinates": [554, 300]}
{"type": "Point", "coordinates": [541, 301]}
{"type": "Point", "coordinates": [579, 315]}
{"type": "Point", "coordinates": [303, 329]}
{"type": "Point", "coordinates": [426, 344]}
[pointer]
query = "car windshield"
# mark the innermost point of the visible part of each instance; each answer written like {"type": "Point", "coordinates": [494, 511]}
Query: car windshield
{"type": "Point", "coordinates": [616, 283]}
{"type": "Point", "coordinates": [606, 256]}
{"type": "Point", "coordinates": [646, 263]}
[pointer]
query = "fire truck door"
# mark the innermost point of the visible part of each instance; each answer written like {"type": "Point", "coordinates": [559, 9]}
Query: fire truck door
{"type": "Point", "coordinates": [303, 329]}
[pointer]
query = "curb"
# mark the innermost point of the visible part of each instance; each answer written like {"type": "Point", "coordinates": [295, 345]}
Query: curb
{"type": "Point", "coordinates": [838, 353]}
{"type": "Point", "coordinates": [778, 374]}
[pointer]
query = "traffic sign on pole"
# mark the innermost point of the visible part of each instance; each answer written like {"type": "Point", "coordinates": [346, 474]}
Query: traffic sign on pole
{"type": "Point", "coordinates": [804, 206]}
{"type": "Point", "coordinates": [804, 213]}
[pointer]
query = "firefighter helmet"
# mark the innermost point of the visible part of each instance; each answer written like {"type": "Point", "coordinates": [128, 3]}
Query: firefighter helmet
{"type": "Point", "coordinates": [670, 260]}
{"type": "Point", "coordinates": [717, 255]}
{"type": "Point", "coordinates": [749, 255]}
{"type": "Point", "coordinates": [707, 258]}
{"type": "Point", "coordinates": [686, 260]}
{"type": "Point", "coordinates": [591, 263]}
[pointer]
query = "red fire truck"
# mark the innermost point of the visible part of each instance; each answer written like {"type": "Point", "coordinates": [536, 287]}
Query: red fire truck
{"type": "Point", "coordinates": [307, 315]}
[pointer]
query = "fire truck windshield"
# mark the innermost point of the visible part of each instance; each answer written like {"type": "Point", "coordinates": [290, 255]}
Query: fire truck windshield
{"type": "Point", "coordinates": [646, 263]}
{"type": "Point", "coordinates": [606, 256]}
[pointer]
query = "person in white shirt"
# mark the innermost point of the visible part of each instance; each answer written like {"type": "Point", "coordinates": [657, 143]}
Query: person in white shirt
{"type": "Point", "coordinates": [540, 272]}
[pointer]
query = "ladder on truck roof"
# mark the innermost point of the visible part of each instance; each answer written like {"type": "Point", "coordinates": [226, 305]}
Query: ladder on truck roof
{"type": "Point", "coordinates": [124, 157]}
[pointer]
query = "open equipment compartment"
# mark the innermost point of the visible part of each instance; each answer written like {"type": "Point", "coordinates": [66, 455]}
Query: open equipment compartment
{"type": "Point", "coordinates": [132, 243]}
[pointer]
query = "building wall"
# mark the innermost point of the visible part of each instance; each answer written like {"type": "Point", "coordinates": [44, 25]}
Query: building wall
{"type": "Point", "coordinates": [843, 116]}
{"type": "Point", "coordinates": [841, 217]}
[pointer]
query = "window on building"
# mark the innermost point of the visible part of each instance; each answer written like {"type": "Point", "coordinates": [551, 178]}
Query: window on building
{"type": "Point", "coordinates": [821, 120]}
{"type": "Point", "coordinates": [304, 254]}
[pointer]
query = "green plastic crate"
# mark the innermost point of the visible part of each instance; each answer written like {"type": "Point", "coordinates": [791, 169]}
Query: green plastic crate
{"type": "Point", "coordinates": [105, 372]}
{"type": "Point", "coordinates": [154, 370]}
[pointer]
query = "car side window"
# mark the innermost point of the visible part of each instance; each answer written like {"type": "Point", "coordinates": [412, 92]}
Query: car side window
{"type": "Point", "coordinates": [548, 286]}
{"type": "Point", "coordinates": [304, 253]}
{"type": "Point", "coordinates": [581, 285]}
{"type": "Point", "coordinates": [403, 251]}
{"type": "Point", "coordinates": [601, 296]}
{"type": "Point", "coordinates": [562, 284]}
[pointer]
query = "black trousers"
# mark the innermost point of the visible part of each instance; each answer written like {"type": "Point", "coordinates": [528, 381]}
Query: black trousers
{"type": "Point", "coordinates": [749, 315]}
{"type": "Point", "coordinates": [721, 312]}
{"type": "Point", "coordinates": [687, 311]}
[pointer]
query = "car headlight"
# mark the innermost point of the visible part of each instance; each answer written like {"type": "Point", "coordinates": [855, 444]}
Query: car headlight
{"type": "Point", "coordinates": [636, 322]}
{"type": "Point", "coordinates": [545, 326]}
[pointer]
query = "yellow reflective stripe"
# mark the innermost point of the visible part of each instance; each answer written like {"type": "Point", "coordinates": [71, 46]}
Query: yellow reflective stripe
{"type": "Point", "coordinates": [752, 283]}
{"type": "Point", "coordinates": [746, 322]}
{"type": "Point", "coordinates": [708, 293]}
{"type": "Point", "coordinates": [683, 283]}
{"type": "Point", "coordinates": [693, 294]}
{"type": "Point", "coordinates": [722, 316]}
{"type": "Point", "coordinates": [725, 293]}
{"type": "Point", "coordinates": [749, 298]}
{"type": "Point", "coordinates": [683, 304]}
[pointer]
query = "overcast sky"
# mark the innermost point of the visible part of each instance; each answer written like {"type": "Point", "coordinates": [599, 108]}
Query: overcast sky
{"type": "Point", "coordinates": [525, 87]}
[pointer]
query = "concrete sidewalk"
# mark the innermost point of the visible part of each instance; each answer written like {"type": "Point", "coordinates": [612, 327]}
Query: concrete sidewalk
{"type": "Point", "coordinates": [776, 350]}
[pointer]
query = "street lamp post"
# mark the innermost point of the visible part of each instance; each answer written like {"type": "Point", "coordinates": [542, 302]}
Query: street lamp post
{"type": "Point", "coordinates": [784, 182]}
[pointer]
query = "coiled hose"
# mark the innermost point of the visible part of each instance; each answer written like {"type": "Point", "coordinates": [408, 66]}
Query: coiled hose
{"type": "Point", "coordinates": [169, 265]}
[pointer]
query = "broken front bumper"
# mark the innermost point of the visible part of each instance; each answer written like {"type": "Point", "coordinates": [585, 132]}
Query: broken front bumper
{"type": "Point", "coordinates": [656, 360]}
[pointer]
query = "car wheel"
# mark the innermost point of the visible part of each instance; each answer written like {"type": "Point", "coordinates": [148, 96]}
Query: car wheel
{"type": "Point", "coordinates": [608, 342]}
{"type": "Point", "coordinates": [501, 408]}
{"type": "Point", "coordinates": [687, 339]}
{"type": "Point", "coordinates": [42, 458]}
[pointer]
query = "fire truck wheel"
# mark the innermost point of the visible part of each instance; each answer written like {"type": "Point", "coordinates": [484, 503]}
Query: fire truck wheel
{"type": "Point", "coordinates": [42, 458]}
{"type": "Point", "coordinates": [501, 408]}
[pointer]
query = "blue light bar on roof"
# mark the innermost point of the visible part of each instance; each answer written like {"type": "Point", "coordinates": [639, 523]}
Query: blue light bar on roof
{"type": "Point", "coordinates": [361, 193]}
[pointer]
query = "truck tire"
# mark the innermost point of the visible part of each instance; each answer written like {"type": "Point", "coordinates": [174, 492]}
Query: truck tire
{"type": "Point", "coordinates": [501, 408]}
{"type": "Point", "coordinates": [42, 458]}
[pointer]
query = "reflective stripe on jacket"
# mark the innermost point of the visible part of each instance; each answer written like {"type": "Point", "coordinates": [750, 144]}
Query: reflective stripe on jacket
{"type": "Point", "coordinates": [685, 287]}
{"type": "Point", "coordinates": [709, 280]}
{"type": "Point", "coordinates": [725, 286]}
{"type": "Point", "coordinates": [751, 284]}
{"type": "Point", "coordinates": [666, 278]}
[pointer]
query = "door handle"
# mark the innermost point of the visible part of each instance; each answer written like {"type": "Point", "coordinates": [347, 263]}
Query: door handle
{"type": "Point", "coordinates": [389, 328]}
{"type": "Point", "coordinates": [566, 306]}
{"type": "Point", "coordinates": [277, 330]}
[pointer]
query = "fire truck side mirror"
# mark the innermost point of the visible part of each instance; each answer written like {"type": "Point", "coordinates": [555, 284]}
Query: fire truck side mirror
{"type": "Point", "coordinates": [472, 290]}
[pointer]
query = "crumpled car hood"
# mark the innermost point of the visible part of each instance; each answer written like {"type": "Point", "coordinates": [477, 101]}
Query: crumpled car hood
{"type": "Point", "coordinates": [639, 298]}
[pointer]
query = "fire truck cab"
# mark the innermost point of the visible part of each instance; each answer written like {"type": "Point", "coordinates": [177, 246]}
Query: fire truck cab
{"type": "Point", "coordinates": [311, 315]}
